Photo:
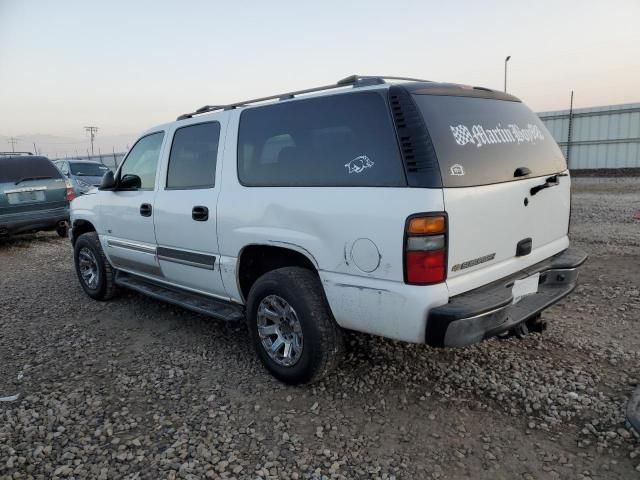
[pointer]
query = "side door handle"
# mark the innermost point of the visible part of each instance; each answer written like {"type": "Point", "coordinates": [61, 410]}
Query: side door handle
{"type": "Point", "coordinates": [200, 213]}
{"type": "Point", "coordinates": [146, 210]}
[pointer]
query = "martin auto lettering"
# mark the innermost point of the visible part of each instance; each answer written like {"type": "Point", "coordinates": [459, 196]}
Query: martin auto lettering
{"type": "Point", "coordinates": [479, 136]}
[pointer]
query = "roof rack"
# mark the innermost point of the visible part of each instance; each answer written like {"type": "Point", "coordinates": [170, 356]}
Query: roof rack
{"type": "Point", "coordinates": [352, 80]}
{"type": "Point", "coordinates": [14, 154]}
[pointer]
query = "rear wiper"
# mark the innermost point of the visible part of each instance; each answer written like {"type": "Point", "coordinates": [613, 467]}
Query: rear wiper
{"type": "Point", "coordinates": [551, 181]}
{"type": "Point", "coordinates": [31, 178]}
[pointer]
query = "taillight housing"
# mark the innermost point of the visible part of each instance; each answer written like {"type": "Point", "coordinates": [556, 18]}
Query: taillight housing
{"type": "Point", "coordinates": [70, 193]}
{"type": "Point", "coordinates": [425, 249]}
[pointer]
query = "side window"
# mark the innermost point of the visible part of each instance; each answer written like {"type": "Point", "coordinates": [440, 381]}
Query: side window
{"type": "Point", "coordinates": [64, 167]}
{"type": "Point", "coordinates": [143, 160]}
{"type": "Point", "coordinates": [192, 161]}
{"type": "Point", "coordinates": [337, 140]}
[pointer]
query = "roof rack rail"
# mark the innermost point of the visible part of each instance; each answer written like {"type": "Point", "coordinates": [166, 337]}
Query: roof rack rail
{"type": "Point", "coordinates": [359, 80]}
{"type": "Point", "coordinates": [352, 80]}
{"type": "Point", "coordinates": [14, 154]}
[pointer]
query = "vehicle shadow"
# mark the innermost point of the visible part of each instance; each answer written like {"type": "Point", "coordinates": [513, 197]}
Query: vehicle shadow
{"type": "Point", "coordinates": [28, 240]}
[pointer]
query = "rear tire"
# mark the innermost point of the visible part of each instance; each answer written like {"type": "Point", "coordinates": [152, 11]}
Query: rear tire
{"type": "Point", "coordinates": [96, 275]}
{"type": "Point", "coordinates": [62, 230]}
{"type": "Point", "coordinates": [291, 326]}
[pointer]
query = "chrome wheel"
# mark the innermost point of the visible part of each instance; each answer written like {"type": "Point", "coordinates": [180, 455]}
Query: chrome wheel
{"type": "Point", "coordinates": [280, 330]}
{"type": "Point", "coordinates": [88, 268]}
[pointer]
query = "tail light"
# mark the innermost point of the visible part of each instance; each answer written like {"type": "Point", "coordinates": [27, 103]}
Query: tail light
{"type": "Point", "coordinates": [425, 249]}
{"type": "Point", "coordinates": [70, 193]}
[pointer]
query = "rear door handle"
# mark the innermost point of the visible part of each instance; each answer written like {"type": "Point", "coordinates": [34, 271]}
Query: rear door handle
{"type": "Point", "coordinates": [200, 213]}
{"type": "Point", "coordinates": [146, 210]}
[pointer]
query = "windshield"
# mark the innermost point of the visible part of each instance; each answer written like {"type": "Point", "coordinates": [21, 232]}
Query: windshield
{"type": "Point", "coordinates": [479, 141]}
{"type": "Point", "coordinates": [88, 169]}
{"type": "Point", "coordinates": [14, 169]}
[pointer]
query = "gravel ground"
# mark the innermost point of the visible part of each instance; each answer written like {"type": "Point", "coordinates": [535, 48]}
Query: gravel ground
{"type": "Point", "coordinates": [135, 388]}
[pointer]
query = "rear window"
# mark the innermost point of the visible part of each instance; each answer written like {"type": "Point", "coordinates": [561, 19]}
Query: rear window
{"type": "Point", "coordinates": [338, 140]}
{"type": "Point", "coordinates": [480, 141]}
{"type": "Point", "coordinates": [88, 169]}
{"type": "Point", "coordinates": [14, 169]}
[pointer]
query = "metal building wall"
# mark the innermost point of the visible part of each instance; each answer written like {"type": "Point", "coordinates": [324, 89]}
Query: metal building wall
{"type": "Point", "coordinates": [602, 137]}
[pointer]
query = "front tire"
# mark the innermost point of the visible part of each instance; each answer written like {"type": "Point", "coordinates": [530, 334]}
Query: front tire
{"type": "Point", "coordinates": [291, 326]}
{"type": "Point", "coordinates": [96, 275]}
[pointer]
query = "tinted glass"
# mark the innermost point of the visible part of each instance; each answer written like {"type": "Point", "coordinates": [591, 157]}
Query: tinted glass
{"type": "Point", "coordinates": [13, 169]}
{"type": "Point", "coordinates": [192, 162]}
{"type": "Point", "coordinates": [339, 140]}
{"type": "Point", "coordinates": [142, 160]}
{"type": "Point", "coordinates": [87, 169]}
{"type": "Point", "coordinates": [480, 141]}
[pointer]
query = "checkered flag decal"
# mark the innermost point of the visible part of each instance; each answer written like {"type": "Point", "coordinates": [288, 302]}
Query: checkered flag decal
{"type": "Point", "coordinates": [462, 135]}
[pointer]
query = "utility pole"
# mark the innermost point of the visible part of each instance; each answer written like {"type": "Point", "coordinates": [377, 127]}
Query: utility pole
{"type": "Point", "coordinates": [35, 149]}
{"type": "Point", "coordinates": [505, 72]}
{"type": "Point", "coordinates": [13, 141]}
{"type": "Point", "coordinates": [92, 133]}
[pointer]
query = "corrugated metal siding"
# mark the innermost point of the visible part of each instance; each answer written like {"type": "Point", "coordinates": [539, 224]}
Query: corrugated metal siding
{"type": "Point", "coordinates": [603, 137]}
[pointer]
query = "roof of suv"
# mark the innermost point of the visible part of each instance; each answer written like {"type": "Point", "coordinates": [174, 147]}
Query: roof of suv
{"type": "Point", "coordinates": [414, 85]}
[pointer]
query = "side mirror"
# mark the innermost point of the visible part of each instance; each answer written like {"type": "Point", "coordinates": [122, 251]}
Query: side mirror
{"type": "Point", "coordinates": [130, 182]}
{"type": "Point", "coordinates": [108, 181]}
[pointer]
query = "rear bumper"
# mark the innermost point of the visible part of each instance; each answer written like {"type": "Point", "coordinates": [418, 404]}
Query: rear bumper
{"type": "Point", "coordinates": [488, 311]}
{"type": "Point", "coordinates": [32, 221]}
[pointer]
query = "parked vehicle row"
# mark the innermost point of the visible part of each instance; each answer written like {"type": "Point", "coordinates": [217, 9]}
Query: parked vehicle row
{"type": "Point", "coordinates": [419, 211]}
{"type": "Point", "coordinates": [34, 195]}
{"type": "Point", "coordinates": [31, 186]}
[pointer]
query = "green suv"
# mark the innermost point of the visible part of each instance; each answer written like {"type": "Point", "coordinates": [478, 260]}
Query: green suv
{"type": "Point", "coordinates": [34, 195]}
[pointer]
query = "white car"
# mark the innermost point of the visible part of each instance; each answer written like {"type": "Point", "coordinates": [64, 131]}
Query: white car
{"type": "Point", "coordinates": [424, 212]}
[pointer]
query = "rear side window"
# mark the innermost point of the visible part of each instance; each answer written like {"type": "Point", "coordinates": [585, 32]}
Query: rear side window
{"type": "Point", "coordinates": [338, 140]}
{"type": "Point", "coordinates": [192, 162]}
{"type": "Point", "coordinates": [14, 169]}
{"type": "Point", "coordinates": [479, 141]}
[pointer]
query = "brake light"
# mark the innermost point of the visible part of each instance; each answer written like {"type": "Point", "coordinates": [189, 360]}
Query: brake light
{"type": "Point", "coordinates": [70, 193]}
{"type": "Point", "coordinates": [425, 249]}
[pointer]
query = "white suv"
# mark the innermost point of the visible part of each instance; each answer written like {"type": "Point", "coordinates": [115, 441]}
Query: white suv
{"type": "Point", "coordinates": [419, 211]}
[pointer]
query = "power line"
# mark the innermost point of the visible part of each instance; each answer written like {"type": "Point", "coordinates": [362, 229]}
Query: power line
{"type": "Point", "coordinates": [92, 133]}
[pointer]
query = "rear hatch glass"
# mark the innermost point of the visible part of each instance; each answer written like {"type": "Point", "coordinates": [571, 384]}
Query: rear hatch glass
{"type": "Point", "coordinates": [480, 141]}
{"type": "Point", "coordinates": [86, 169]}
{"type": "Point", "coordinates": [20, 169]}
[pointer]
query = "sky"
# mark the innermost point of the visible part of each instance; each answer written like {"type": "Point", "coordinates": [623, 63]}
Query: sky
{"type": "Point", "coordinates": [125, 66]}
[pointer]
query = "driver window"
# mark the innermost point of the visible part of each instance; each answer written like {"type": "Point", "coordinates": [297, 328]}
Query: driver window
{"type": "Point", "coordinates": [143, 160]}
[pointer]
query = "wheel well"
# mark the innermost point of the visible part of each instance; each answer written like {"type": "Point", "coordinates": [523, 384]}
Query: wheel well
{"type": "Point", "coordinates": [80, 227]}
{"type": "Point", "coordinates": [256, 260]}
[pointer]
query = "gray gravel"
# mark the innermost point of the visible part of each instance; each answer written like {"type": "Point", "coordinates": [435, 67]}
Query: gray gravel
{"type": "Point", "coordinates": [135, 388]}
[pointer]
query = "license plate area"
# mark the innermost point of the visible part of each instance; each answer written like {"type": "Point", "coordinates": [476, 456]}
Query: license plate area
{"type": "Point", "coordinates": [525, 286]}
{"type": "Point", "coordinates": [25, 197]}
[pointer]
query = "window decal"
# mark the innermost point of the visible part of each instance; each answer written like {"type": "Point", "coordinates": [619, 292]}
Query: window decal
{"type": "Point", "coordinates": [479, 136]}
{"type": "Point", "coordinates": [359, 164]}
{"type": "Point", "coordinates": [457, 170]}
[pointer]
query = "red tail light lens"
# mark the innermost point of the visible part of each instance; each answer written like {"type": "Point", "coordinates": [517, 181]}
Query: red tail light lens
{"type": "Point", "coordinates": [425, 249]}
{"type": "Point", "coordinates": [70, 193]}
{"type": "Point", "coordinates": [425, 267]}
